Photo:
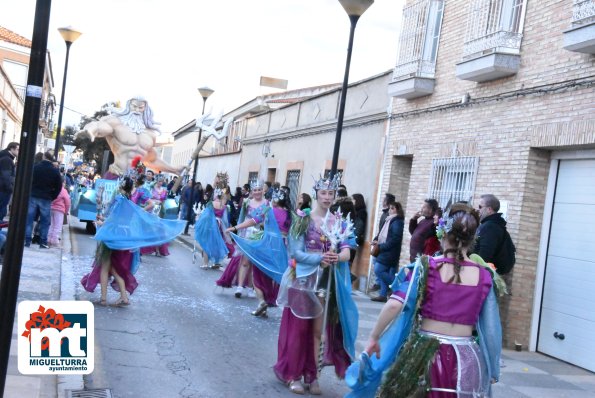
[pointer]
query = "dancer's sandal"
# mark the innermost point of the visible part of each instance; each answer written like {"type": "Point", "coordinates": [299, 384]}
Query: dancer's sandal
{"type": "Point", "coordinates": [261, 310]}
{"type": "Point", "coordinates": [103, 302]}
{"type": "Point", "coordinates": [296, 387]}
{"type": "Point", "coordinates": [314, 388]}
{"type": "Point", "coordinates": [121, 302]}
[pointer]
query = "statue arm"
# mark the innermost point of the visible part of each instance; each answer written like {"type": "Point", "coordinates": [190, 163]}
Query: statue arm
{"type": "Point", "coordinates": [153, 162]}
{"type": "Point", "coordinates": [100, 128]}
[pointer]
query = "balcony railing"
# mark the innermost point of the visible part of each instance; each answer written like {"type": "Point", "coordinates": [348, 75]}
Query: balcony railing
{"type": "Point", "coordinates": [417, 68]}
{"type": "Point", "coordinates": [583, 12]}
{"type": "Point", "coordinates": [501, 41]}
{"type": "Point", "coordinates": [493, 26]}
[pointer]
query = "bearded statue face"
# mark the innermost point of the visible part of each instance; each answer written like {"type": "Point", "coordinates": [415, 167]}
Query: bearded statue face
{"type": "Point", "coordinates": [137, 107]}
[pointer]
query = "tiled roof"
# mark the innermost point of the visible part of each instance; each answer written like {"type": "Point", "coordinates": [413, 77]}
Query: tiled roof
{"type": "Point", "coordinates": [11, 37]}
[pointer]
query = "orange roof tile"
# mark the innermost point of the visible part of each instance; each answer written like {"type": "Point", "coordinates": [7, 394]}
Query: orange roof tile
{"type": "Point", "coordinates": [11, 37]}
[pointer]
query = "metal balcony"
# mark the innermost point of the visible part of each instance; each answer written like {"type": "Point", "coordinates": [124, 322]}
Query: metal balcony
{"type": "Point", "coordinates": [581, 35]}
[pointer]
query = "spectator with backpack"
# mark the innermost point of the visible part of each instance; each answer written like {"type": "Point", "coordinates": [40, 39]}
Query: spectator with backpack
{"type": "Point", "coordinates": [493, 242]}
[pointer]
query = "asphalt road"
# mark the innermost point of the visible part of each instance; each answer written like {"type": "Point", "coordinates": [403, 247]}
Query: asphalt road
{"type": "Point", "coordinates": [181, 336]}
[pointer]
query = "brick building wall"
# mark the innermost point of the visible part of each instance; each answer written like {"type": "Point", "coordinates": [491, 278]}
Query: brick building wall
{"type": "Point", "coordinates": [510, 124]}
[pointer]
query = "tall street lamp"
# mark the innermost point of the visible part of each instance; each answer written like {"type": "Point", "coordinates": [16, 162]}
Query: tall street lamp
{"type": "Point", "coordinates": [69, 35]}
{"type": "Point", "coordinates": [354, 9]}
{"type": "Point", "coordinates": [13, 256]}
{"type": "Point", "coordinates": [205, 93]}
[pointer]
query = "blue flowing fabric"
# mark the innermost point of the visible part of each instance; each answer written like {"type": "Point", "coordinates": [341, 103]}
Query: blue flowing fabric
{"type": "Point", "coordinates": [135, 261]}
{"type": "Point", "coordinates": [129, 227]}
{"type": "Point", "coordinates": [365, 375]}
{"type": "Point", "coordinates": [208, 235]}
{"type": "Point", "coordinates": [348, 313]}
{"type": "Point", "coordinates": [269, 253]}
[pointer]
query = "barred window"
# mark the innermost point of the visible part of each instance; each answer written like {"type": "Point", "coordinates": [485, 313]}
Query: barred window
{"type": "Point", "coordinates": [252, 177]}
{"type": "Point", "coordinates": [327, 172]}
{"type": "Point", "coordinates": [420, 33]}
{"type": "Point", "coordinates": [453, 179]}
{"type": "Point", "coordinates": [293, 182]}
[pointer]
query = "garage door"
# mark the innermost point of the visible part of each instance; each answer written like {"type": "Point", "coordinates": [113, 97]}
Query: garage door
{"type": "Point", "coordinates": [567, 324]}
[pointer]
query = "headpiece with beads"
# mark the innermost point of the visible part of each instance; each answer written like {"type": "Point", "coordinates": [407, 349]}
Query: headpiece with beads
{"type": "Point", "coordinates": [256, 184]}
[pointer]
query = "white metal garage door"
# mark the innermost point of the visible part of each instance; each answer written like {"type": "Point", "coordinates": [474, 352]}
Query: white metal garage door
{"type": "Point", "coordinates": [567, 325]}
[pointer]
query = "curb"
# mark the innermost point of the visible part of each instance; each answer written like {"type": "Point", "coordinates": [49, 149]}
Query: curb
{"type": "Point", "coordinates": [67, 292]}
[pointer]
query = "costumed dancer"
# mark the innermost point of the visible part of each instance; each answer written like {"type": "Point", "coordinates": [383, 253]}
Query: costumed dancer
{"type": "Point", "coordinates": [305, 294]}
{"type": "Point", "coordinates": [124, 229]}
{"type": "Point", "coordinates": [158, 196]}
{"type": "Point", "coordinates": [269, 254]}
{"type": "Point", "coordinates": [238, 271]}
{"type": "Point", "coordinates": [115, 263]}
{"type": "Point", "coordinates": [429, 350]}
{"type": "Point", "coordinates": [210, 227]}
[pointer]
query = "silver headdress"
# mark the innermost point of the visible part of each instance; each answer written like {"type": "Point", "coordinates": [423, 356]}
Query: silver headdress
{"type": "Point", "coordinates": [328, 183]}
{"type": "Point", "coordinates": [256, 184]}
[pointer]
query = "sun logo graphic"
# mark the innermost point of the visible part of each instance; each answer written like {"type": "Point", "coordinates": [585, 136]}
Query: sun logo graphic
{"type": "Point", "coordinates": [56, 337]}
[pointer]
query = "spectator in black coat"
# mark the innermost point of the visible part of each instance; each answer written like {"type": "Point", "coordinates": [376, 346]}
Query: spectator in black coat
{"type": "Point", "coordinates": [361, 218]}
{"type": "Point", "coordinates": [492, 229]}
{"type": "Point", "coordinates": [7, 174]}
{"type": "Point", "coordinates": [45, 187]}
{"type": "Point", "coordinates": [389, 249]}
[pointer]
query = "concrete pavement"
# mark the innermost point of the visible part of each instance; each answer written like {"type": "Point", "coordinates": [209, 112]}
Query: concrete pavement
{"type": "Point", "coordinates": [45, 276]}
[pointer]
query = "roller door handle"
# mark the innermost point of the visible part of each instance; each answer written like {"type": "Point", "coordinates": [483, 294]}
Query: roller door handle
{"type": "Point", "coordinates": [559, 336]}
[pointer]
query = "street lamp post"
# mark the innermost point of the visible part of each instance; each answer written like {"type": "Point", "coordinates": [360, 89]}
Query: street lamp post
{"type": "Point", "coordinates": [13, 256]}
{"type": "Point", "coordinates": [69, 35]}
{"type": "Point", "coordinates": [354, 9]}
{"type": "Point", "coordinates": [205, 93]}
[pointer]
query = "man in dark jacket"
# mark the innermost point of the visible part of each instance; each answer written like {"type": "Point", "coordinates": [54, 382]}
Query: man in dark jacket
{"type": "Point", "coordinates": [45, 187]}
{"type": "Point", "coordinates": [492, 229]}
{"type": "Point", "coordinates": [7, 174]}
{"type": "Point", "coordinates": [422, 230]}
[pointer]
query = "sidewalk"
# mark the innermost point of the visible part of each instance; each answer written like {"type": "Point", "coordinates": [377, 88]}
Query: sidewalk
{"type": "Point", "coordinates": [41, 276]}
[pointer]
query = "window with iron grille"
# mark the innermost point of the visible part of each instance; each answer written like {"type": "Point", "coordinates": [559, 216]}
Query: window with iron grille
{"type": "Point", "coordinates": [453, 179]}
{"type": "Point", "coordinates": [420, 34]}
{"type": "Point", "coordinates": [327, 172]}
{"type": "Point", "coordinates": [252, 177]}
{"type": "Point", "coordinates": [494, 25]}
{"type": "Point", "coordinates": [293, 182]}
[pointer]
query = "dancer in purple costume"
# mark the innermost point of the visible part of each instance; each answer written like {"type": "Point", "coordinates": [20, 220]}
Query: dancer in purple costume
{"type": "Point", "coordinates": [303, 294]}
{"type": "Point", "coordinates": [238, 271]}
{"type": "Point", "coordinates": [112, 262]}
{"type": "Point", "coordinates": [458, 296]}
{"type": "Point", "coordinates": [266, 288]}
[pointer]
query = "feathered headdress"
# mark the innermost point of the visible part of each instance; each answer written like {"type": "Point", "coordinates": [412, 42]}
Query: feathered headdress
{"type": "Point", "coordinates": [221, 183]}
{"type": "Point", "coordinates": [137, 167]}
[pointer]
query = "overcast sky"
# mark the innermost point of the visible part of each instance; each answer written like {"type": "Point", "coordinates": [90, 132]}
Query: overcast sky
{"type": "Point", "coordinates": [165, 50]}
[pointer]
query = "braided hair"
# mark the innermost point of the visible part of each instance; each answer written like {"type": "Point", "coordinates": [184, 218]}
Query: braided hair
{"type": "Point", "coordinates": [461, 236]}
